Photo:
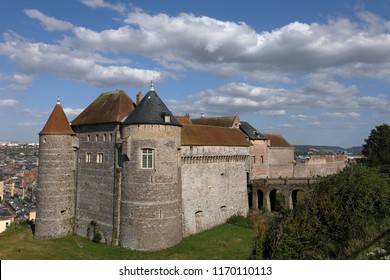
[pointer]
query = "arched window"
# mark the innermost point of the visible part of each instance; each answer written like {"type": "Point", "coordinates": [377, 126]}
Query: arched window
{"type": "Point", "coordinates": [147, 161]}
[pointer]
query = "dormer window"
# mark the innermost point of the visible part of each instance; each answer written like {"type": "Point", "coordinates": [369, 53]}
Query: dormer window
{"type": "Point", "coordinates": [167, 117]}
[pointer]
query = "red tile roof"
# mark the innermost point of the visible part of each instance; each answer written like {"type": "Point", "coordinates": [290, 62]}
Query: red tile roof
{"type": "Point", "coordinates": [57, 123]}
{"type": "Point", "coordinates": [109, 107]}
{"type": "Point", "coordinates": [277, 140]}
{"type": "Point", "coordinates": [183, 120]}
{"type": "Point", "coordinates": [203, 135]}
{"type": "Point", "coordinates": [218, 121]}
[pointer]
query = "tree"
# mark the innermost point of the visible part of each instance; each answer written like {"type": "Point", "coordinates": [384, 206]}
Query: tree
{"type": "Point", "coordinates": [376, 149]}
{"type": "Point", "coordinates": [338, 218]}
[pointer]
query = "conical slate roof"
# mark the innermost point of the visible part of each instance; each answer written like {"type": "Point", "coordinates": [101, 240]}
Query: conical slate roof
{"type": "Point", "coordinates": [58, 123]}
{"type": "Point", "coordinates": [151, 110]}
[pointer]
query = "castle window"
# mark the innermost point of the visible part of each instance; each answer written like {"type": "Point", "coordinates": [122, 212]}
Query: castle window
{"type": "Point", "coordinates": [99, 158]}
{"type": "Point", "coordinates": [88, 157]}
{"type": "Point", "coordinates": [104, 137]}
{"type": "Point", "coordinates": [97, 137]}
{"type": "Point", "coordinates": [110, 137]}
{"type": "Point", "coordinates": [147, 159]}
{"type": "Point", "coordinates": [88, 137]}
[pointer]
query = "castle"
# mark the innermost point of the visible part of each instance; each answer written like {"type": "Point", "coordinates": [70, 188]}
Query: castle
{"type": "Point", "coordinates": [136, 176]}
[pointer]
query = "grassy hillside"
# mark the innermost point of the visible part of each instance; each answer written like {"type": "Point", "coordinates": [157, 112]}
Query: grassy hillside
{"type": "Point", "coordinates": [224, 242]}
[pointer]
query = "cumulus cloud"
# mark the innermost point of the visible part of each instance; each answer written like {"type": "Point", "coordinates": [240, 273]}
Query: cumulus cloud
{"type": "Point", "coordinates": [228, 49]}
{"type": "Point", "coordinates": [249, 97]}
{"type": "Point", "coordinates": [235, 49]}
{"type": "Point", "coordinates": [78, 65]}
{"type": "Point", "coordinates": [379, 103]}
{"type": "Point", "coordinates": [49, 23]}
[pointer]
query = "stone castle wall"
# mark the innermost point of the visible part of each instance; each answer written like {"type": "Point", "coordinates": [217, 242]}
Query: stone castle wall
{"type": "Point", "coordinates": [151, 210]}
{"type": "Point", "coordinates": [320, 165]}
{"type": "Point", "coordinates": [96, 180]}
{"type": "Point", "coordinates": [55, 192]}
{"type": "Point", "coordinates": [260, 162]}
{"type": "Point", "coordinates": [214, 185]}
{"type": "Point", "coordinates": [281, 162]}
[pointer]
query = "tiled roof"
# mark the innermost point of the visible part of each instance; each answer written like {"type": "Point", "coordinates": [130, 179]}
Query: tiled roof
{"type": "Point", "coordinates": [109, 107]}
{"type": "Point", "coordinates": [203, 135]}
{"type": "Point", "coordinates": [151, 110]}
{"type": "Point", "coordinates": [218, 121]}
{"type": "Point", "coordinates": [251, 132]}
{"type": "Point", "coordinates": [277, 140]}
{"type": "Point", "coordinates": [183, 120]}
{"type": "Point", "coordinates": [57, 123]}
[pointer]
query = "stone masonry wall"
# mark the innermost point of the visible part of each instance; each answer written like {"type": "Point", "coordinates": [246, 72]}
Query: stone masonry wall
{"type": "Point", "coordinates": [260, 165]}
{"type": "Point", "coordinates": [214, 185]}
{"type": "Point", "coordinates": [55, 190]}
{"type": "Point", "coordinates": [151, 198]}
{"type": "Point", "coordinates": [281, 162]}
{"type": "Point", "coordinates": [320, 165]}
{"type": "Point", "coordinates": [96, 180]}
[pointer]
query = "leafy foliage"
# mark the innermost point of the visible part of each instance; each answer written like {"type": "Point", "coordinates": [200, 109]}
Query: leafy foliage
{"type": "Point", "coordinates": [341, 214]}
{"type": "Point", "coordinates": [377, 147]}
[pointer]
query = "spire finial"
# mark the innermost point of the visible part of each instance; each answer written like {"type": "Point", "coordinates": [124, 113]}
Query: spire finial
{"type": "Point", "coordinates": [151, 85]}
{"type": "Point", "coordinates": [58, 100]}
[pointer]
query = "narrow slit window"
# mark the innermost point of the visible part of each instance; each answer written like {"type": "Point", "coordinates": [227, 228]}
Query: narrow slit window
{"type": "Point", "coordinates": [99, 158]}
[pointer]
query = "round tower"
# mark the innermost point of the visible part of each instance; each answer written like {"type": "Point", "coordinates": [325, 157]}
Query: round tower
{"type": "Point", "coordinates": [55, 191]}
{"type": "Point", "coordinates": [151, 187]}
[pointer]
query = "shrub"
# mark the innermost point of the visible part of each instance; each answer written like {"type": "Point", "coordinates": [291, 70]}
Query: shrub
{"type": "Point", "coordinates": [342, 213]}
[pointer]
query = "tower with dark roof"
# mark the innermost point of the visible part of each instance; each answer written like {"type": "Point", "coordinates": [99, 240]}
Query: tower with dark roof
{"type": "Point", "coordinates": [56, 190]}
{"type": "Point", "coordinates": [151, 206]}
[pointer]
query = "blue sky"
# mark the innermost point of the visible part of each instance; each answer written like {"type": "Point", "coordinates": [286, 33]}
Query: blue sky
{"type": "Point", "coordinates": [317, 72]}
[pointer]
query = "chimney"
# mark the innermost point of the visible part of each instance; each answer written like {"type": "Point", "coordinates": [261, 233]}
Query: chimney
{"type": "Point", "coordinates": [139, 97]}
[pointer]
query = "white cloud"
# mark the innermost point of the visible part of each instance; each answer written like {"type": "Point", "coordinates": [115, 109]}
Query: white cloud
{"type": "Point", "coordinates": [301, 117]}
{"type": "Point", "coordinates": [229, 49]}
{"type": "Point", "coordinates": [378, 103]}
{"type": "Point", "coordinates": [72, 112]}
{"type": "Point", "coordinates": [120, 8]}
{"type": "Point", "coordinates": [49, 23]}
{"type": "Point", "coordinates": [9, 103]}
{"type": "Point", "coordinates": [340, 115]}
{"type": "Point", "coordinates": [15, 81]}
{"type": "Point", "coordinates": [248, 98]}
{"type": "Point", "coordinates": [32, 58]}
{"type": "Point", "coordinates": [274, 113]}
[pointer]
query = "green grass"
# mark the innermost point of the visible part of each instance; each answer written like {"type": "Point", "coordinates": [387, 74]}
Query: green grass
{"type": "Point", "coordinates": [225, 242]}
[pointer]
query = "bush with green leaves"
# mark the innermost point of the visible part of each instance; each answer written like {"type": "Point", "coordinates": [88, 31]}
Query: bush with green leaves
{"type": "Point", "coordinates": [342, 214]}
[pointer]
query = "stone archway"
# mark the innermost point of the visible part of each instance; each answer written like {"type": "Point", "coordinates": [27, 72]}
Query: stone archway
{"type": "Point", "coordinates": [260, 199]}
{"type": "Point", "coordinates": [93, 232]}
{"type": "Point", "coordinates": [277, 200]}
{"type": "Point", "coordinates": [297, 196]}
